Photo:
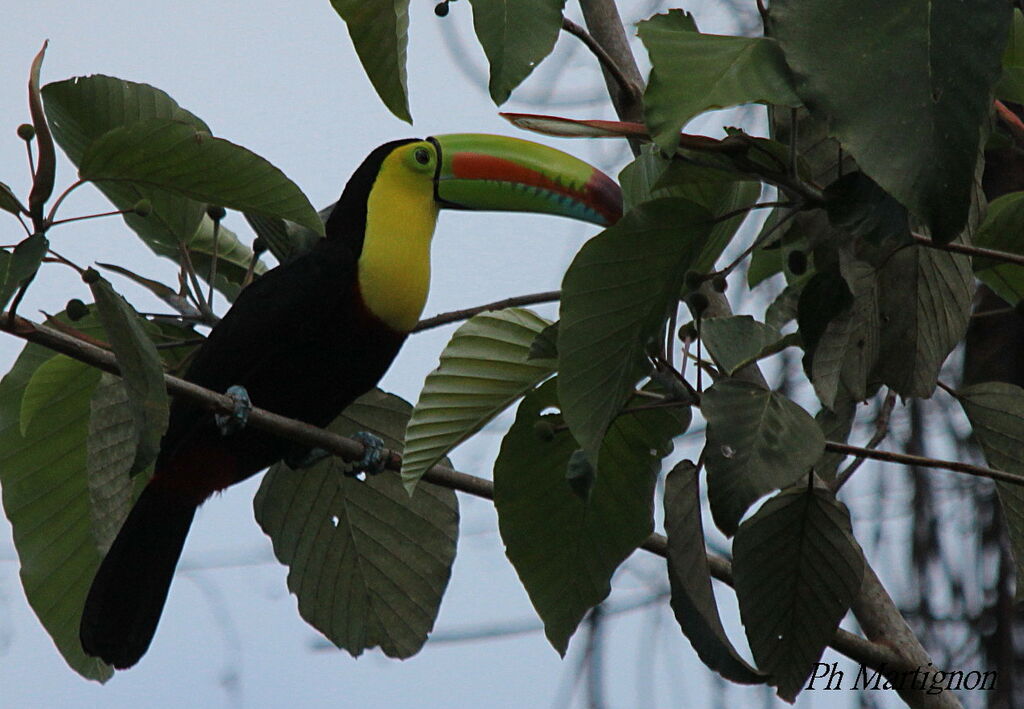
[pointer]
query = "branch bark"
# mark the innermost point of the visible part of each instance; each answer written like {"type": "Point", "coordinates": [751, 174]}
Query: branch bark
{"type": "Point", "coordinates": [870, 654]}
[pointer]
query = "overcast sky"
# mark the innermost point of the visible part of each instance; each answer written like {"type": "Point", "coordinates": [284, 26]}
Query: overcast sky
{"type": "Point", "coordinates": [284, 81]}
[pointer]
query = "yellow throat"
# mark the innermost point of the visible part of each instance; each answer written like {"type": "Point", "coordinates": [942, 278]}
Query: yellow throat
{"type": "Point", "coordinates": [394, 266]}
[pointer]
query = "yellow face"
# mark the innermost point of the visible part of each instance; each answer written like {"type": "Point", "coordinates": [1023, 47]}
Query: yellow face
{"type": "Point", "coordinates": [394, 266]}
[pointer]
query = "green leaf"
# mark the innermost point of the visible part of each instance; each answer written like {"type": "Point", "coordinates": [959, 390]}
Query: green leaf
{"type": "Point", "coordinates": [906, 87]}
{"type": "Point", "coordinates": [615, 297]}
{"type": "Point", "coordinates": [924, 300]}
{"type": "Point", "coordinates": [737, 340]}
{"type": "Point", "coordinates": [651, 176]}
{"type": "Point", "coordinates": [996, 412]}
{"type": "Point", "coordinates": [47, 383]}
{"type": "Point", "coordinates": [286, 240]}
{"type": "Point", "coordinates": [9, 202]}
{"type": "Point", "coordinates": [21, 266]}
{"type": "Point", "coordinates": [797, 569]}
{"type": "Point", "coordinates": [757, 441]}
{"type": "Point", "coordinates": [380, 32]}
{"type": "Point", "coordinates": [140, 366]}
{"type": "Point", "coordinates": [841, 330]}
{"type": "Point", "coordinates": [783, 309]}
{"type": "Point", "coordinates": [545, 345]}
{"type": "Point", "coordinates": [565, 548]}
{"type": "Point", "coordinates": [856, 204]}
{"type": "Point", "coordinates": [1003, 230]}
{"type": "Point", "coordinates": [692, 73]}
{"type": "Point", "coordinates": [693, 600]}
{"type": "Point", "coordinates": [85, 108]}
{"type": "Point", "coordinates": [1011, 83]}
{"type": "Point", "coordinates": [110, 452]}
{"type": "Point", "coordinates": [45, 497]}
{"type": "Point", "coordinates": [516, 36]}
{"type": "Point", "coordinates": [484, 368]}
{"type": "Point", "coordinates": [368, 563]}
{"type": "Point", "coordinates": [178, 157]}
{"type": "Point", "coordinates": [836, 423]}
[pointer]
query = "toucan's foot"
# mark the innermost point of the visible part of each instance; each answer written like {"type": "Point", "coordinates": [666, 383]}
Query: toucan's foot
{"type": "Point", "coordinates": [237, 419]}
{"type": "Point", "coordinates": [372, 462]}
{"type": "Point", "coordinates": [297, 460]}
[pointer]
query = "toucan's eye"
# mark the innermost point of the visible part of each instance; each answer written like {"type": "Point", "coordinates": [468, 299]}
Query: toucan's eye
{"type": "Point", "coordinates": [422, 156]}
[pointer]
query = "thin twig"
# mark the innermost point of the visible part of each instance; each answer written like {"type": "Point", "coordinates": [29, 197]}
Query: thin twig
{"type": "Point", "coordinates": [213, 263]}
{"type": "Point", "coordinates": [627, 86]}
{"type": "Point", "coordinates": [197, 296]}
{"type": "Point", "coordinates": [925, 462]}
{"type": "Point", "coordinates": [979, 251]}
{"type": "Point", "coordinates": [761, 238]}
{"type": "Point", "coordinates": [514, 302]}
{"type": "Point", "coordinates": [53, 210]}
{"type": "Point", "coordinates": [881, 431]}
{"type": "Point", "coordinates": [112, 213]}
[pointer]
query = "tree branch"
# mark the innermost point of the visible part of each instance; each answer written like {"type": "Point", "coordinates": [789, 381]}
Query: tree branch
{"type": "Point", "coordinates": [922, 461]}
{"type": "Point", "coordinates": [465, 314]}
{"type": "Point", "coordinates": [856, 648]}
{"type": "Point", "coordinates": [979, 251]}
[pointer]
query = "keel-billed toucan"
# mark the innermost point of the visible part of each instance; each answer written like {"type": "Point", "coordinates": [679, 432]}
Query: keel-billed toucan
{"type": "Point", "coordinates": [310, 336]}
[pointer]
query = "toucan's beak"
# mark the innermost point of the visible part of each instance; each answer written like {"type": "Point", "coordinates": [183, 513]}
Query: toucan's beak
{"type": "Point", "coordinates": [478, 171]}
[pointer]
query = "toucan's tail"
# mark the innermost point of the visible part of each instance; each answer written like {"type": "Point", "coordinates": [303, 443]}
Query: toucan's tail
{"type": "Point", "coordinates": [127, 596]}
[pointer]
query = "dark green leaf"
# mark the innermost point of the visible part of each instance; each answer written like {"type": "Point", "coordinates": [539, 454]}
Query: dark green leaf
{"type": "Point", "coordinates": [906, 87]}
{"type": "Point", "coordinates": [46, 499]}
{"type": "Point", "coordinates": [836, 423]}
{"type": "Point", "coordinates": [736, 340]}
{"type": "Point", "coordinates": [83, 109]}
{"type": "Point", "coordinates": [368, 563]}
{"type": "Point", "coordinates": [695, 72]}
{"type": "Point", "coordinates": [1011, 84]}
{"type": "Point", "coordinates": [141, 370]}
{"type": "Point", "coordinates": [651, 176]}
{"type": "Point", "coordinates": [48, 382]}
{"type": "Point", "coordinates": [286, 240]}
{"type": "Point", "coordinates": [580, 475]}
{"type": "Point", "coordinates": [797, 569]}
{"type": "Point", "coordinates": [110, 452]}
{"type": "Point", "coordinates": [22, 265]}
{"type": "Point", "coordinates": [615, 297]}
{"type": "Point", "coordinates": [996, 411]}
{"type": "Point", "coordinates": [924, 305]}
{"type": "Point", "coordinates": [839, 323]}
{"type": "Point", "coordinates": [380, 33]}
{"type": "Point", "coordinates": [516, 36]}
{"type": "Point", "coordinates": [757, 441]}
{"type": "Point", "coordinates": [176, 156]}
{"type": "Point", "coordinates": [564, 548]}
{"type": "Point", "coordinates": [484, 368]}
{"type": "Point", "coordinates": [8, 201]}
{"type": "Point", "coordinates": [783, 309]}
{"type": "Point", "coordinates": [856, 204]}
{"type": "Point", "coordinates": [693, 600]}
{"type": "Point", "coordinates": [1003, 230]}
{"type": "Point", "coordinates": [545, 345]}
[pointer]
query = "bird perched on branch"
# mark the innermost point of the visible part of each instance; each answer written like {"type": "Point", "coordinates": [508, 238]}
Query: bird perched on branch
{"type": "Point", "coordinates": [309, 337]}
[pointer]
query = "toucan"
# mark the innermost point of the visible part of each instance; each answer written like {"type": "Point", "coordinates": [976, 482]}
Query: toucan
{"type": "Point", "coordinates": [310, 336]}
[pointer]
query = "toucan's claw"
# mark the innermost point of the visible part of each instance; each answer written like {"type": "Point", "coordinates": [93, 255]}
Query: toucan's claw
{"type": "Point", "coordinates": [307, 458]}
{"type": "Point", "coordinates": [237, 419]}
{"type": "Point", "coordinates": [372, 462]}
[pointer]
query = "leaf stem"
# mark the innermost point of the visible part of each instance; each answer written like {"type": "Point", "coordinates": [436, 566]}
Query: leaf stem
{"type": "Point", "coordinates": [881, 431]}
{"type": "Point", "coordinates": [53, 209]}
